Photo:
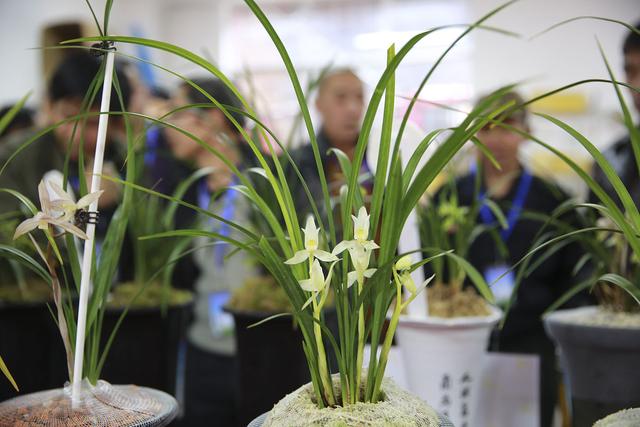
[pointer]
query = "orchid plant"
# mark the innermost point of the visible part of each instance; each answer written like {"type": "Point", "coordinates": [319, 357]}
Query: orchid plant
{"type": "Point", "coordinates": [305, 261]}
{"type": "Point", "coordinates": [61, 220]}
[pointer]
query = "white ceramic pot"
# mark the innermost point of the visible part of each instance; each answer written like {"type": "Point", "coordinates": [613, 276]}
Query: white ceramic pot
{"type": "Point", "coordinates": [443, 359]}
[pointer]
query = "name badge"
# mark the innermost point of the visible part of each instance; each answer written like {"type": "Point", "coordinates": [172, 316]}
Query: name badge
{"type": "Point", "coordinates": [220, 323]}
{"type": "Point", "coordinates": [502, 281]}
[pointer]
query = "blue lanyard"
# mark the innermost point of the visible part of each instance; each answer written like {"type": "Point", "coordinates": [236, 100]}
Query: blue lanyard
{"type": "Point", "coordinates": [516, 208]}
{"type": "Point", "coordinates": [153, 144]}
{"type": "Point", "coordinates": [228, 212]}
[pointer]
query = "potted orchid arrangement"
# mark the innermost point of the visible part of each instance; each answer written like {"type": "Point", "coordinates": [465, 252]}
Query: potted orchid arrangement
{"type": "Point", "coordinates": [598, 344]}
{"type": "Point", "coordinates": [63, 223]}
{"type": "Point", "coordinates": [373, 279]}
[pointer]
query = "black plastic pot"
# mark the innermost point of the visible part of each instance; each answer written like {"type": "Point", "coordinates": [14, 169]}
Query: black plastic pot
{"type": "Point", "coordinates": [270, 361]}
{"type": "Point", "coordinates": [28, 339]}
{"type": "Point", "coordinates": [601, 363]}
{"type": "Point", "coordinates": [149, 348]}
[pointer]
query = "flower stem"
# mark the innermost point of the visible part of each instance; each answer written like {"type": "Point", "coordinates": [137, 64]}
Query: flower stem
{"type": "Point", "coordinates": [388, 339]}
{"type": "Point", "coordinates": [325, 377]}
{"type": "Point", "coordinates": [359, 356]}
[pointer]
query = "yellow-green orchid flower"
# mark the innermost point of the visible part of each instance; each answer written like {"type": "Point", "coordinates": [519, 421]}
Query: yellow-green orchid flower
{"type": "Point", "coordinates": [311, 250]}
{"type": "Point", "coordinates": [452, 213]}
{"type": "Point", "coordinates": [403, 272]}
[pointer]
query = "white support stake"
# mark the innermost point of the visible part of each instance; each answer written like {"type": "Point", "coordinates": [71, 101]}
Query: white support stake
{"type": "Point", "coordinates": [85, 281]}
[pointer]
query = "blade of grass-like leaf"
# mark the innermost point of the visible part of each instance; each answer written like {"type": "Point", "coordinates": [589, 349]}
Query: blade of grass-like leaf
{"type": "Point", "coordinates": [5, 371]}
{"type": "Point", "coordinates": [302, 103]}
{"type": "Point", "coordinates": [634, 134]}
{"type": "Point", "coordinates": [486, 152]}
{"type": "Point", "coordinates": [263, 321]}
{"type": "Point", "coordinates": [497, 212]}
{"type": "Point", "coordinates": [107, 15]}
{"type": "Point", "coordinates": [432, 69]}
{"type": "Point", "coordinates": [612, 209]}
{"type": "Point", "coordinates": [26, 260]}
{"type": "Point", "coordinates": [95, 18]}
{"type": "Point", "coordinates": [578, 18]}
{"type": "Point", "coordinates": [416, 156]}
{"type": "Point", "coordinates": [283, 196]}
{"type": "Point", "coordinates": [623, 283]}
{"type": "Point", "coordinates": [9, 115]}
{"type": "Point", "coordinates": [24, 200]}
{"type": "Point", "coordinates": [473, 122]}
{"type": "Point", "coordinates": [585, 284]}
{"type": "Point", "coordinates": [385, 146]}
{"type": "Point", "coordinates": [178, 194]}
{"type": "Point", "coordinates": [182, 203]}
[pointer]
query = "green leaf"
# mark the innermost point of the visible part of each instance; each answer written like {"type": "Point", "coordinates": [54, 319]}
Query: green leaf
{"type": "Point", "coordinates": [268, 319]}
{"type": "Point", "coordinates": [23, 199]}
{"type": "Point", "coordinates": [623, 283]}
{"type": "Point", "coordinates": [26, 260]}
{"type": "Point", "coordinates": [9, 115]}
{"type": "Point", "coordinates": [5, 371]}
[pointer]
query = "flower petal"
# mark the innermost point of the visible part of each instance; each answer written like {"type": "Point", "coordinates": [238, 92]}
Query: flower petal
{"type": "Point", "coordinates": [324, 256]}
{"type": "Point", "coordinates": [369, 272]}
{"type": "Point", "coordinates": [408, 282]}
{"type": "Point", "coordinates": [63, 195]}
{"type": "Point", "coordinates": [370, 245]}
{"type": "Point", "coordinates": [352, 276]}
{"type": "Point", "coordinates": [88, 199]}
{"type": "Point", "coordinates": [309, 301]}
{"type": "Point", "coordinates": [424, 284]}
{"type": "Point", "coordinates": [43, 194]}
{"type": "Point", "coordinates": [403, 263]}
{"type": "Point", "coordinates": [67, 226]}
{"type": "Point", "coordinates": [26, 226]}
{"type": "Point", "coordinates": [306, 285]}
{"type": "Point", "coordinates": [342, 246]}
{"type": "Point", "coordinates": [298, 257]}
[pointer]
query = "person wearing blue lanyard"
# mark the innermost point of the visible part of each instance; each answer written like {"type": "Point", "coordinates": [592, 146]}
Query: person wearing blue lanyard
{"type": "Point", "coordinates": [209, 272]}
{"type": "Point", "coordinates": [518, 191]}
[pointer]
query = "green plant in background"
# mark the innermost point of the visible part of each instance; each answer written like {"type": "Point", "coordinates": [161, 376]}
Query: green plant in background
{"type": "Point", "coordinates": [64, 276]}
{"type": "Point", "coordinates": [5, 225]}
{"type": "Point", "coordinates": [613, 242]}
{"type": "Point", "coordinates": [449, 226]}
{"type": "Point", "coordinates": [395, 194]}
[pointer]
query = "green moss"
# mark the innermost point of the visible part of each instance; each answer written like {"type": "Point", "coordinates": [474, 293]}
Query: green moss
{"type": "Point", "coordinates": [260, 294]}
{"type": "Point", "coordinates": [153, 296]}
{"type": "Point", "coordinates": [34, 290]}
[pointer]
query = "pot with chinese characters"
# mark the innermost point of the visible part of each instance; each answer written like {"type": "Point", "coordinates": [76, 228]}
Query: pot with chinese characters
{"type": "Point", "coordinates": [443, 360]}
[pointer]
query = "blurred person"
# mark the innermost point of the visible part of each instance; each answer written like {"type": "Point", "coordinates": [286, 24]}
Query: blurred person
{"type": "Point", "coordinates": [210, 345]}
{"type": "Point", "coordinates": [340, 103]}
{"type": "Point", "coordinates": [24, 119]}
{"type": "Point", "coordinates": [66, 89]}
{"type": "Point", "coordinates": [620, 154]}
{"type": "Point", "coordinates": [516, 190]}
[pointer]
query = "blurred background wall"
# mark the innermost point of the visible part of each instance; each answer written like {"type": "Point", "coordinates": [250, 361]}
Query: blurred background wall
{"type": "Point", "coordinates": [356, 33]}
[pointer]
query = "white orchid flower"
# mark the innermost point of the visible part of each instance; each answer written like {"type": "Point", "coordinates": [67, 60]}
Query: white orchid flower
{"type": "Point", "coordinates": [43, 219]}
{"type": "Point", "coordinates": [316, 282]}
{"type": "Point", "coordinates": [360, 232]}
{"type": "Point", "coordinates": [403, 267]}
{"type": "Point", "coordinates": [66, 205]}
{"type": "Point", "coordinates": [361, 225]}
{"type": "Point", "coordinates": [311, 250]}
{"type": "Point", "coordinates": [359, 248]}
